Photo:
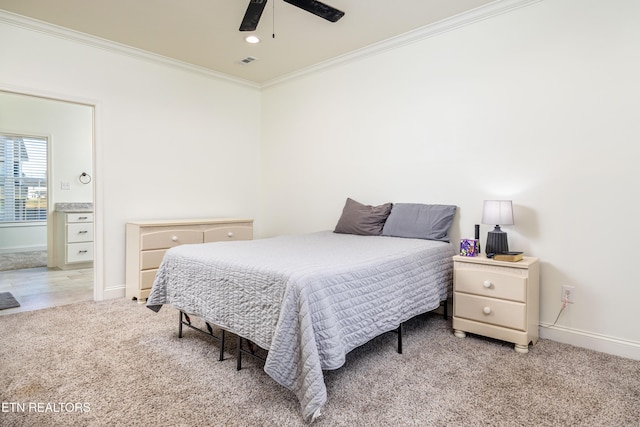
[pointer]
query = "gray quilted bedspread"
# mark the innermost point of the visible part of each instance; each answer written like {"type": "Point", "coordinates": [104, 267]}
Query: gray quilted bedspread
{"type": "Point", "coordinates": [309, 299]}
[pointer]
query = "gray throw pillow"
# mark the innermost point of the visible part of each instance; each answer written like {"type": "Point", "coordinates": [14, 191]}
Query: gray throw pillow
{"type": "Point", "coordinates": [362, 219]}
{"type": "Point", "coordinates": [419, 221]}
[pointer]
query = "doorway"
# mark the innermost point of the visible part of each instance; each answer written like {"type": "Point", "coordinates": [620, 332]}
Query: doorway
{"type": "Point", "coordinates": [68, 130]}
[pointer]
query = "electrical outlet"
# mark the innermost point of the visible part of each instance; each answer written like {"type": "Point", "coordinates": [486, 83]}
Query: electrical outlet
{"type": "Point", "coordinates": [568, 292]}
{"type": "Point", "coordinates": [64, 185]}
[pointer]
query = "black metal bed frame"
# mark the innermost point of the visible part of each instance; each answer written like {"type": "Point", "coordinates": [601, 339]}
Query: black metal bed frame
{"type": "Point", "coordinates": [185, 320]}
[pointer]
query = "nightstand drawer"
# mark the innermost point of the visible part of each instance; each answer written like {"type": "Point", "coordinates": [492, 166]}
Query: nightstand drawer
{"type": "Point", "coordinates": [508, 314]}
{"type": "Point", "coordinates": [492, 283]}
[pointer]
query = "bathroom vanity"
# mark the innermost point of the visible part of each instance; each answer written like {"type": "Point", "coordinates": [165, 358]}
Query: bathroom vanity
{"type": "Point", "coordinates": [73, 235]}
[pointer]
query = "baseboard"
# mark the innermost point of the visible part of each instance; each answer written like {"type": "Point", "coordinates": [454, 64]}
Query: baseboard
{"type": "Point", "coordinates": [604, 344]}
{"type": "Point", "coordinates": [112, 293]}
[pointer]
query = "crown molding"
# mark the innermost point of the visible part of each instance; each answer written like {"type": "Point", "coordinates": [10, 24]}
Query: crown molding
{"type": "Point", "coordinates": [495, 8]}
{"type": "Point", "coordinates": [108, 45]}
{"type": "Point", "coordinates": [481, 13]}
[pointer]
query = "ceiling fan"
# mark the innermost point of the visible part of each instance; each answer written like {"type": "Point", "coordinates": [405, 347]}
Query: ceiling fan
{"type": "Point", "coordinates": [255, 8]}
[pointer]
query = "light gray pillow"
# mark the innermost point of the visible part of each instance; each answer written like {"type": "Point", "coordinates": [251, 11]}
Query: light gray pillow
{"type": "Point", "coordinates": [419, 221]}
{"type": "Point", "coordinates": [362, 219]}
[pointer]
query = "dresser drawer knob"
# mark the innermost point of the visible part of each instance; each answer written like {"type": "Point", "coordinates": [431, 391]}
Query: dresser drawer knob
{"type": "Point", "coordinates": [174, 238]}
{"type": "Point", "coordinates": [230, 234]}
{"type": "Point", "coordinates": [486, 284]}
{"type": "Point", "coordinates": [486, 310]}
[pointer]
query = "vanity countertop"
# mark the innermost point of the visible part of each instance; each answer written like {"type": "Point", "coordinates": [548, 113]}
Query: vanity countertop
{"type": "Point", "coordinates": [74, 207]}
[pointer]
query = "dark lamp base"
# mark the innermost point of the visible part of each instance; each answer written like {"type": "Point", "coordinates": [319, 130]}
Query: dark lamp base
{"type": "Point", "coordinates": [496, 241]}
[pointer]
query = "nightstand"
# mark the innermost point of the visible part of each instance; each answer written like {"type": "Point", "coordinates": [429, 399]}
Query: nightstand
{"type": "Point", "coordinates": [496, 299]}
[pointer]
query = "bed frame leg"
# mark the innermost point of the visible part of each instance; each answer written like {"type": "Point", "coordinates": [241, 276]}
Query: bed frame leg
{"type": "Point", "coordinates": [221, 358]}
{"type": "Point", "coordinates": [446, 309]}
{"type": "Point", "coordinates": [239, 354]}
{"type": "Point", "coordinates": [400, 338]}
{"type": "Point", "coordinates": [180, 327]}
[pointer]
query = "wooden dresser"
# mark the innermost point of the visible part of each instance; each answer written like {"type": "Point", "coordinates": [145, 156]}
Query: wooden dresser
{"type": "Point", "coordinates": [147, 242]}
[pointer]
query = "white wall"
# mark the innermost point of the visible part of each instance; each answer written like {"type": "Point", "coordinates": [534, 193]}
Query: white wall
{"type": "Point", "coordinates": [539, 105]}
{"type": "Point", "coordinates": [68, 128]}
{"type": "Point", "coordinates": [171, 142]}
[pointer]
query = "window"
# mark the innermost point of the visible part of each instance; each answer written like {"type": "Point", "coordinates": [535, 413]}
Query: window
{"type": "Point", "coordinates": [23, 178]}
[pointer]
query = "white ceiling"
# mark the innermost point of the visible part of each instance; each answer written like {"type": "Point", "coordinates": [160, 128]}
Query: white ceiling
{"type": "Point", "coordinates": [205, 32]}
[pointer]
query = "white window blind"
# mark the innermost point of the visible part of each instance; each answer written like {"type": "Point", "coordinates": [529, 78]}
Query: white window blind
{"type": "Point", "coordinates": [23, 178]}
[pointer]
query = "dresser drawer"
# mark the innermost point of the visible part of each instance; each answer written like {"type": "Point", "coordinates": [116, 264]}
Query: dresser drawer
{"type": "Point", "coordinates": [501, 283]}
{"type": "Point", "coordinates": [79, 232]}
{"type": "Point", "coordinates": [169, 238]}
{"type": "Point", "coordinates": [230, 232]}
{"type": "Point", "coordinates": [146, 278]}
{"type": "Point", "coordinates": [508, 314]}
{"type": "Point", "coordinates": [151, 259]}
{"type": "Point", "coordinates": [79, 252]}
{"type": "Point", "coordinates": [80, 217]}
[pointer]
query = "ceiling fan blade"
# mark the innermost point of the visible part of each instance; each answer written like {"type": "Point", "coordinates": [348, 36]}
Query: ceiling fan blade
{"type": "Point", "coordinates": [317, 8]}
{"type": "Point", "coordinates": [252, 15]}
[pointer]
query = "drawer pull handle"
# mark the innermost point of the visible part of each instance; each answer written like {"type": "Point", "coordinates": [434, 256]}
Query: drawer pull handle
{"type": "Point", "coordinates": [83, 252]}
{"type": "Point", "coordinates": [174, 238]}
{"type": "Point", "coordinates": [82, 232]}
{"type": "Point", "coordinates": [82, 217]}
{"type": "Point", "coordinates": [230, 234]}
{"type": "Point", "coordinates": [486, 284]}
{"type": "Point", "coordinates": [486, 310]}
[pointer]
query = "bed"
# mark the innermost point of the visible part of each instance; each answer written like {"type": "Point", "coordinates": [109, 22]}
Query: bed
{"type": "Point", "coordinates": [308, 299]}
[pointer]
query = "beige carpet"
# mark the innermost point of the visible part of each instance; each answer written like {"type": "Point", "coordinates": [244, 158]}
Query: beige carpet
{"type": "Point", "coordinates": [118, 363]}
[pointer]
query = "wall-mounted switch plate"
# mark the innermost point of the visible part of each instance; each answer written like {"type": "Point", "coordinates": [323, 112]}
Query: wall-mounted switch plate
{"type": "Point", "coordinates": [65, 185]}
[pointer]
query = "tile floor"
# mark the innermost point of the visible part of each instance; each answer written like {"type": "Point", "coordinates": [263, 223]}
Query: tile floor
{"type": "Point", "coordinates": [42, 287]}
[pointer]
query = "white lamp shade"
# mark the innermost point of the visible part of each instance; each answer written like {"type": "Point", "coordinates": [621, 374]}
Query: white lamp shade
{"type": "Point", "coordinates": [497, 212]}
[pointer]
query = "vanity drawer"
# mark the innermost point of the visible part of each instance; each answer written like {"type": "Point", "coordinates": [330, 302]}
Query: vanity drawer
{"type": "Point", "coordinates": [79, 252]}
{"type": "Point", "coordinates": [79, 232]}
{"type": "Point", "coordinates": [232, 232]}
{"type": "Point", "coordinates": [508, 314]}
{"type": "Point", "coordinates": [492, 283]}
{"type": "Point", "coordinates": [169, 238]}
{"type": "Point", "coordinates": [80, 217]}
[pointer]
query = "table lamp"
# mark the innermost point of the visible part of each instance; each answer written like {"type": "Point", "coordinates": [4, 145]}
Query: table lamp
{"type": "Point", "coordinates": [497, 212]}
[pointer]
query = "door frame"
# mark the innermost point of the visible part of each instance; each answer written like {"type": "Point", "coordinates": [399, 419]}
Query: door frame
{"type": "Point", "coordinates": [97, 190]}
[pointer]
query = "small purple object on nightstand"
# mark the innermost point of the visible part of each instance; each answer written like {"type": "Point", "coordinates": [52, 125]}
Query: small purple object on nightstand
{"type": "Point", "coordinates": [469, 247]}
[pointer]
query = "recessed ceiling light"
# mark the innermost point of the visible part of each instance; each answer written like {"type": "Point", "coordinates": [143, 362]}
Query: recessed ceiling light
{"type": "Point", "coordinates": [252, 39]}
